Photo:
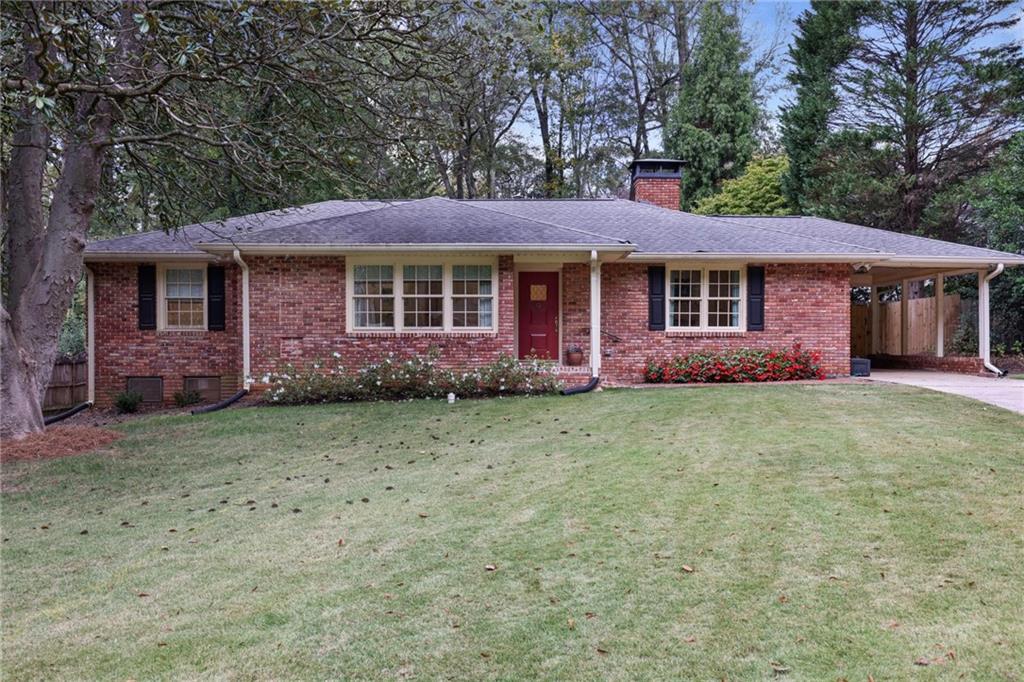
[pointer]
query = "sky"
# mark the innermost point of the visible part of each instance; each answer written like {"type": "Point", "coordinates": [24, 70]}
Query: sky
{"type": "Point", "coordinates": [765, 18]}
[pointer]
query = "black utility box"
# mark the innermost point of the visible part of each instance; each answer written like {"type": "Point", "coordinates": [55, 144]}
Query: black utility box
{"type": "Point", "coordinates": [860, 367]}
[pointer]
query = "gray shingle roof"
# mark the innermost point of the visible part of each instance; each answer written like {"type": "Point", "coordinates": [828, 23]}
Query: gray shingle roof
{"type": "Point", "coordinates": [880, 240]}
{"type": "Point", "coordinates": [657, 230]}
{"type": "Point", "coordinates": [599, 223]}
{"type": "Point", "coordinates": [427, 221]}
{"type": "Point", "coordinates": [183, 240]}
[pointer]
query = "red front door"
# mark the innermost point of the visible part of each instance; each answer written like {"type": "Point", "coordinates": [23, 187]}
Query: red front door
{"type": "Point", "coordinates": [538, 315]}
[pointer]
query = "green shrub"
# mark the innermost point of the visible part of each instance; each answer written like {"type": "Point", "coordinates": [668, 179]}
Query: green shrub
{"type": "Point", "coordinates": [186, 398]}
{"type": "Point", "coordinates": [128, 401]}
{"type": "Point", "coordinates": [406, 378]}
{"type": "Point", "coordinates": [741, 365]}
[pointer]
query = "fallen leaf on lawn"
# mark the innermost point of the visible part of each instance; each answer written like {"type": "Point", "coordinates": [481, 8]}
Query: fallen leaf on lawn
{"type": "Point", "coordinates": [923, 661]}
{"type": "Point", "coordinates": [690, 639]}
{"type": "Point", "coordinates": [783, 599]}
{"type": "Point", "coordinates": [341, 542]}
{"type": "Point", "coordinates": [484, 654]}
{"type": "Point", "coordinates": [687, 569]}
{"type": "Point", "coordinates": [490, 567]}
{"type": "Point", "coordinates": [778, 668]}
{"type": "Point", "coordinates": [572, 624]}
{"type": "Point", "coordinates": [143, 594]}
{"type": "Point", "coordinates": [590, 615]}
{"type": "Point", "coordinates": [601, 651]}
{"type": "Point", "coordinates": [423, 516]}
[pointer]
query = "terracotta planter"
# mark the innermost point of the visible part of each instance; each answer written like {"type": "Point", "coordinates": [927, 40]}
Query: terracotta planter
{"type": "Point", "coordinates": [574, 358]}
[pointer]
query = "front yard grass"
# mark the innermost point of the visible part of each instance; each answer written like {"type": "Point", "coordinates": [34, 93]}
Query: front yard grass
{"type": "Point", "coordinates": [745, 532]}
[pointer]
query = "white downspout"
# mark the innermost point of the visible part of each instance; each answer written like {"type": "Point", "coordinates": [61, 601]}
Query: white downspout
{"type": "Point", "coordinates": [595, 315]}
{"type": "Point", "coordinates": [90, 336]}
{"type": "Point", "coordinates": [984, 316]}
{"type": "Point", "coordinates": [246, 372]}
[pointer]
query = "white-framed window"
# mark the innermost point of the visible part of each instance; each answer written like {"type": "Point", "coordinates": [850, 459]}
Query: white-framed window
{"type": "Point", "coordinates": [373, 290]}
{"type": "Point", "coordinates": [182, 304]}
{"type": "Point", "coordinates": [472, 296]}
{"type": "Point", "coordinates": [708, 297]}
{"type": "Point", "coordinates": [422, 294]}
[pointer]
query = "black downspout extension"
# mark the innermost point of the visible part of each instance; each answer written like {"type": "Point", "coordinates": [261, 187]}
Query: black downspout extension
{"type": "Point", "coordinates": [222, 404]}
{"type": "Point", "coordinates": [586, 388]}
{"type": "Point", "coordinates": [67, 413]}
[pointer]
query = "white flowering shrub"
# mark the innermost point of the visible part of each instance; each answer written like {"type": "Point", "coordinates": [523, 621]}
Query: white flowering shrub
{"type": "Point", "coordinates": [405, 378]}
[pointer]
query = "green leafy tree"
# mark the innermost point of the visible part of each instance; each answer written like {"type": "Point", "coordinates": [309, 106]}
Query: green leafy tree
{"type": "Point", "coordinates": [757, 192]}
{"type": "Point", "coordinates": [989, 211]}
{"type": "Point", "coordinates": [826, 35]}
{"type": "Point", "coordinates": [235, 100]}
{"type": "Point", "coordinates": [712, 124]}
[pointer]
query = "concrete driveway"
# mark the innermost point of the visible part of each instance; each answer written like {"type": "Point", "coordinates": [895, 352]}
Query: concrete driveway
{"type": "Point", "coordinates": [1008, 393]}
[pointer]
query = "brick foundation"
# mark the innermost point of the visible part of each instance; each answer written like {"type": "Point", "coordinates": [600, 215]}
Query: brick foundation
{"type": "Point", "coordinates": [297, 315]}
{"type": "Point", "coordinates": [960, 365]}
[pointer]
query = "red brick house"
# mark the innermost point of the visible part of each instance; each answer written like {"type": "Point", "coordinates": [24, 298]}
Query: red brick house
{"type": "Point", "coordinates": [216, 307]}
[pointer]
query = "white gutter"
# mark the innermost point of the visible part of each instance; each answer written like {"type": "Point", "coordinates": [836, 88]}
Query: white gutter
{"type": "Point", "coordinates": [984, 316]}
{"type": "Point", "coordinates": [595, 314]}
{"type": "Point", "coordinates": [246, 373]}
{"type": "Point", "coordinates": [90, 336]}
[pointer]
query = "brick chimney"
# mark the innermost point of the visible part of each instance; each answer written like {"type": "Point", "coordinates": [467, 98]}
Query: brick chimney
{"type": "Point", "coordinates": [656, 181]}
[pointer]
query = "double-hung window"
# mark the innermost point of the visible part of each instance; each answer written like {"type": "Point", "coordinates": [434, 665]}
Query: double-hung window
{"type": "Point", "coordinates": [446, 295]}
{"type": "Point", "coordinates": [472, 296]}
{"type": "Point", "coordinates": [423, 296]}
{"type": "Point", "coordinates": [373, 293]}
{"type": "Point", "coordinates": [705, 298]}
{"type": "Point", "coordinates": [184, 298]}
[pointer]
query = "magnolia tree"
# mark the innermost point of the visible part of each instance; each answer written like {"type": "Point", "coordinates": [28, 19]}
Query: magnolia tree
{"type": "Point", "coordinates": [252, 95]}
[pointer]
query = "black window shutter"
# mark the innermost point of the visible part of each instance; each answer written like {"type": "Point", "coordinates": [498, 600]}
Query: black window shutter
{"type": "Point", "coordinates": [755, 298]}
{"type": "Point", "coordinates": [656, 298]}
{"type": "Point", "coordinates": [215, 298]}
{"type": "Point", "coordinates": [147, 296]}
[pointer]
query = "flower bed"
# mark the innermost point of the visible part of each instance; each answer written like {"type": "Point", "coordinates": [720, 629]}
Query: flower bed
{"type": "Point", "coordinates": [742, 365]}
{"type": "Point", "coordinates": [405, 378]}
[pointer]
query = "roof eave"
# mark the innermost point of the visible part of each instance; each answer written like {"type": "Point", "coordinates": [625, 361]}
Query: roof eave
{"type": "Point", "coordinates": [135, 256]}
{"type": "Point", "coordinates": [762, 257]}
{"type": "Point", "coordinates": [341, 249]}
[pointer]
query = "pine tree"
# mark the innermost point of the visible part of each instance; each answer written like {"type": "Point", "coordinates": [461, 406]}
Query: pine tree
{"type": "Point", "coordinates": [712, 122]}
{"type": "Point", "coordinates": [826, 34]}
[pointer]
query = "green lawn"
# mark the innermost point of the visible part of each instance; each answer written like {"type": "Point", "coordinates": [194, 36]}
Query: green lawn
{"type": "Point", "coordinates": [833, 531]}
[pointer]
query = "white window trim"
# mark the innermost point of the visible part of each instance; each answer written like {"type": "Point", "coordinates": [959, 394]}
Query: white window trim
{"type": "Point", "coordinates": [705, 288]}
{"type": "Point", "coordinates": [161, 296]}
{"type": "Point", "coordinates": [446, 291]}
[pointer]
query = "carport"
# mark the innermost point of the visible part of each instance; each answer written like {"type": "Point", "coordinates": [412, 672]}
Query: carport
{"type": "Point", "coordinates": [909, 321]}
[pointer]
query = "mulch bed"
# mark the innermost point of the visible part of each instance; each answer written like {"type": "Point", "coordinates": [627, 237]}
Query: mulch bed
{"type": "Point", "coordinates": [57, 441]}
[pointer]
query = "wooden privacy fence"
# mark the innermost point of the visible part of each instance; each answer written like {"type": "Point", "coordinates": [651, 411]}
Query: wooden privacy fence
{"type": "Point", "coordinates": [920, 330]}
{"type": "Point", "coordinates": [68, 385]}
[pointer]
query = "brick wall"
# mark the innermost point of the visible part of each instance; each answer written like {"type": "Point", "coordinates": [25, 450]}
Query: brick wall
{"type": "Point", "coordinates": [297, 315]}
{"type": "Point", "coordinates": [297, 309]}
{"type": "Point", "coordinates": [809, 304]}
{"type": "Point", "coordinates": [123, 350]}
{"type": "Point", "coordinates": [662, 192]}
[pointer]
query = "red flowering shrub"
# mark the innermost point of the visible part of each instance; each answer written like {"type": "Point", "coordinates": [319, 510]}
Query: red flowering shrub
{"type": "Point", "coordinates": [745, 364]}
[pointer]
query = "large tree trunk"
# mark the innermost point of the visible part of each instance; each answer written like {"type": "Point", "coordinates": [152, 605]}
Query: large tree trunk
{"type": "Point", "coordinates": [45, 260]}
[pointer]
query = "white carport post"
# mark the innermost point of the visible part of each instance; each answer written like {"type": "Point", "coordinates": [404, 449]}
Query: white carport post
{"type": "Point", "coordinates": [876, 320]}
{"type": "Point", "coordinates": [595, 315]}
{"type": "Point", "coordinates": [904, 316]}
{"type": "Point", "coordinates": [983, 315]}
{"type": "Point", "coordinates": [940, 315]}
